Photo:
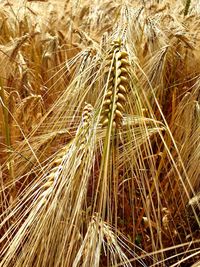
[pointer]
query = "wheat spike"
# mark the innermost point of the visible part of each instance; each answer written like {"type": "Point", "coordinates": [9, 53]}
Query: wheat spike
{"type": "Point", "coordinates": [56, 165]}
{"type": "Point", "coordinates": [87, 111]}
{"type": "Point", "coordinates": [115, 97]}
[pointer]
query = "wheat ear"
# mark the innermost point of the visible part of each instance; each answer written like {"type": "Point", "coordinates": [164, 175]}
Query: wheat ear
{"type": "Point", "coordinates": [115, 98]}
{"type": "Point", "coordinates": [56, 165]}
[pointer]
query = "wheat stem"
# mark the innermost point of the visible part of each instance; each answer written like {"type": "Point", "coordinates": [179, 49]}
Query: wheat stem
{"type": "Point", "coordinates": [7, 128]}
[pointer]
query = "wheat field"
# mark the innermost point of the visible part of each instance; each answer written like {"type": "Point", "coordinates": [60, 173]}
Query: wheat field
{"type": "Point", "coordinates": [100, 133]}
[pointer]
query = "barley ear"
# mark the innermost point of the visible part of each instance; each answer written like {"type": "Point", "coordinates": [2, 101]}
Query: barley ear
{"type": "Point", "coordinates": [115, 98]}
{"type": "Point", "coordinates": [56, 164]}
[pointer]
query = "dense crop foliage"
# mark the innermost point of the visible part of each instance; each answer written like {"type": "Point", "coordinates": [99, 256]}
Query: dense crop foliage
{"type": "Point", "coordinates": [100, 133]}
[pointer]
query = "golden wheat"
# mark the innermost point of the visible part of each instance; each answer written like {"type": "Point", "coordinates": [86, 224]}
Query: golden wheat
{"type": "Point", "coordinates": [115, 99]}
{"type": "Point", "coordinates": [115, 183]}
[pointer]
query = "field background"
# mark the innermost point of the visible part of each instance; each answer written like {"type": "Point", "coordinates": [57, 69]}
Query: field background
{"type": "Point", "coordinates": [99, 133]}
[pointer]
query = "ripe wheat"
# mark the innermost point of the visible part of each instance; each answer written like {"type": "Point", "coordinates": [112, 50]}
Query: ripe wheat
{"type": "Point", "coordinates": [115, 99]}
